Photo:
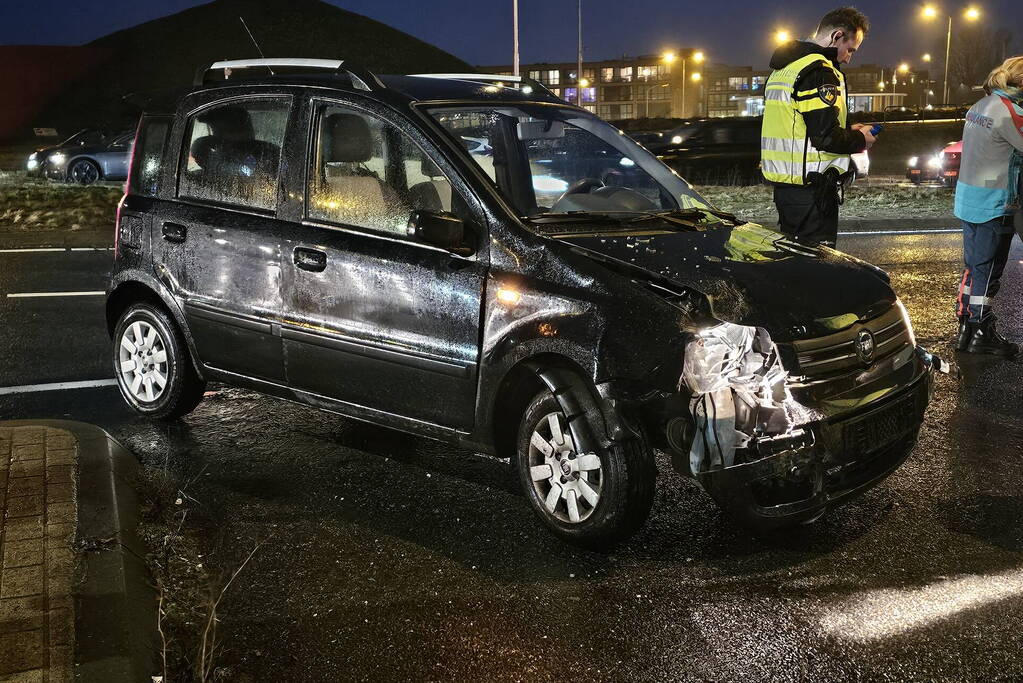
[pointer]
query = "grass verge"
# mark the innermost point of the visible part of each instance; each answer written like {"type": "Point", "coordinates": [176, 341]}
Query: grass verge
{"type": "Point", "coordinates": [35, 205]}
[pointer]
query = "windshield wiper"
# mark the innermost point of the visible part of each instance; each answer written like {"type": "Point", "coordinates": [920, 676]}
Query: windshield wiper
{"type": "Point", "coordinates": [686, 218]}
{"type": "Point", "coordinates": [572, 217]}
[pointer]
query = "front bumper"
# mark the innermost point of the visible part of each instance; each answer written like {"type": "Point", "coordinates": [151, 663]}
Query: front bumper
{"type": "Point", "coordinates": [798, 477]}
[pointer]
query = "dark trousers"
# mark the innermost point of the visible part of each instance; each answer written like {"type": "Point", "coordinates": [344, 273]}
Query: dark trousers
{"type": "Point", "coordinates": [985, 251]}
{"type": "Point", "coordinates": [809, 213]}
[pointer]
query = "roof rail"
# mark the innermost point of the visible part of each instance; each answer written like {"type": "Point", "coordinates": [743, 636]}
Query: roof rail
{"type": "Point", "coordinates": [522, 81]}
{"type": "Point", "coordinates": [362, 78]}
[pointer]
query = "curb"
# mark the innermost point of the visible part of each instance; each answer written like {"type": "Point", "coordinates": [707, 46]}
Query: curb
{"type": "Point", "coordinates": [115, 604]}
{"type": "Point", "coordinates": [34, 240]}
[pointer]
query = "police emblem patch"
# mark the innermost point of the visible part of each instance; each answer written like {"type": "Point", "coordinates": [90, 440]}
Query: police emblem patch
{"type": "Point", "coordinates": [828, 93]}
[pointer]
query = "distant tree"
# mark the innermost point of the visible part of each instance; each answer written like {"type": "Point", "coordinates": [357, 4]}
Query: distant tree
{"type": "Point", "coordinates": [976, 50]}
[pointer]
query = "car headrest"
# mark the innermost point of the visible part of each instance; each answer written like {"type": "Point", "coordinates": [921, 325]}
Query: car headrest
{"type": "Point", "coordinates": [346, 138]}
{"type": "Point", "coordinates": [228, 123]}
{"type": "Point", "coordinates": [202, 150]}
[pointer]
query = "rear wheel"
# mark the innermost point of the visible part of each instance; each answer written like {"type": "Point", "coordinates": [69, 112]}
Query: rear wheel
{"type": "Point", "coordinates": [153, 367]}
{"type": "Point", "coordinates": [586, 494]}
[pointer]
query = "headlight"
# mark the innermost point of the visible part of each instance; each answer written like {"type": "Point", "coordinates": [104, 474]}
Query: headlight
{"type": "Point", "coordinates": [913, 161]}
{"type": "Point", "coordinates": [907, 321]}
{"type": "Point", "coordinates": [676, 139]}
{"type": "Point", "coordinates": [934, 162]}
{"type": "Point", "coordinates": [32, 164]}
{"type": "Point", "coordinates": [58, 158]}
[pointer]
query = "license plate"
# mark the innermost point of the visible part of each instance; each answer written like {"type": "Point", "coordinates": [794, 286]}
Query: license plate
{"type": "Point", "coordinates": [878, 429]}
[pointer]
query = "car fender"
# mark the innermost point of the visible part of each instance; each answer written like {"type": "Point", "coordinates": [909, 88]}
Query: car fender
{"type": "Point", "coordinates": [138, 277]}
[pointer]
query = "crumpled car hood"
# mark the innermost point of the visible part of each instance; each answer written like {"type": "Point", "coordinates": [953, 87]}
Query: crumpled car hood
{"type": "Point", "coordinates": [753, 276]}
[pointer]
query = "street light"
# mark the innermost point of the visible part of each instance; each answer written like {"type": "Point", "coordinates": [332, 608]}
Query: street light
{"type": "Point", "coordinates": [697, 76]}
{"type": "Point", "coordinates": [698, 57]}
{"type": "Point", "coordinates": [931, 12]}
{"type": "Point", "coordinates": [781, 36]}
{"type": "Point", "coordinates": [904, 68]}
{"type": "Point", "coordinates": [927, 57]}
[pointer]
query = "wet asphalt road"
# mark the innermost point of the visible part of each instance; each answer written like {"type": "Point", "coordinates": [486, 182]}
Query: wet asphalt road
{"type": "Point", "coordinates": [390, 557]}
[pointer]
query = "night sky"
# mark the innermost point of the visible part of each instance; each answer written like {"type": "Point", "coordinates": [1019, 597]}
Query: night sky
{"type": "Point", "coordinates": [479, 32]}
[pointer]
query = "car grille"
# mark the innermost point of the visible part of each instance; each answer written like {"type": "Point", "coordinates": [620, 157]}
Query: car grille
{"type": "Point", "coordinates": [836, 354]}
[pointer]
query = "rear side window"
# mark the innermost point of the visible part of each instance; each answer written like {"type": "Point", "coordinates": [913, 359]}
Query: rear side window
{"type": "Point", "coordinates": [232, 153]}
{"type": "Point", "coordinates": [145, 175]}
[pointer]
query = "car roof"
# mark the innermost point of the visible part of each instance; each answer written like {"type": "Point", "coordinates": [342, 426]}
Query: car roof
{"type": "Point", "coordinates": [413, 88]}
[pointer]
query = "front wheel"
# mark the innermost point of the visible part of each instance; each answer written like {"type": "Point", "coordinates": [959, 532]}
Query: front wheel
{"type": "Point", "coordinates": [587, 495]}
{"type": "Point", "coordinates": [153, 367]}
{"type": "Point", "coordinates": [83, 172]}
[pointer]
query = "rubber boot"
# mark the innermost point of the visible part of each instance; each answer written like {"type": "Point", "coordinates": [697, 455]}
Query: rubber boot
{"type": "Point", "coordinates": [987, 340]}
{"type": "Point", "coordinates": [966, 329]}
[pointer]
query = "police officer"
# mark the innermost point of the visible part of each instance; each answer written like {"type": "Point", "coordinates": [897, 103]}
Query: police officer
{"type": "Point", "coordinates": [805, 143]}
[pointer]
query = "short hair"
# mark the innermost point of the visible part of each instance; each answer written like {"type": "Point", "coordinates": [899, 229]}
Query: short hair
{"type": "Point", "coordinates": [848, 19]}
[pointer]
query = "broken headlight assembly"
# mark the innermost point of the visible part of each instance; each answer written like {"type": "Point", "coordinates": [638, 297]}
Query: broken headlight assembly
{"type": "Point", "coordinates": [739, 399]}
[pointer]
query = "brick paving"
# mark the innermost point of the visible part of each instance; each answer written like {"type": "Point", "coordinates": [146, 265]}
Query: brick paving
{"type": "Point", "coordinates": [37, 524]}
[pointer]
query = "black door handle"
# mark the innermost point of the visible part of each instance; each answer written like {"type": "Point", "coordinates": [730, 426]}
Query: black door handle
{"type": "Point", "coordinates": [310, 259]}
{"type": "Point", "coordinates": [174, 232]}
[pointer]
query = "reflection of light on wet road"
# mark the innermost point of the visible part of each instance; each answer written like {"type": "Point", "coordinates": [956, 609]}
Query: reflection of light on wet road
{"type": "Point", "coordinates": [889, 612]}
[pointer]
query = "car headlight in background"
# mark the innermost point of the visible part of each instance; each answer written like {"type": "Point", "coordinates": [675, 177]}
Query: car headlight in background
{"type": "Point", "coordinates": [934, 162]}
{"type": "Point", "coordinates": [58, 159]}
{"type": "Point", "coordinates": [913, 161]}
{"type": "Point", "coordinates": [676, 139]}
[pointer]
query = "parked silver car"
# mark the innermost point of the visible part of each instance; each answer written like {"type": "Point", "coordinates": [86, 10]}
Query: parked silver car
{"type": "Point", "coordinates": [106, 159]}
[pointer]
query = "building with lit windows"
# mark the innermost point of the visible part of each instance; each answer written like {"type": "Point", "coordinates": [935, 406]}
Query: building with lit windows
{"type": "Point", "coordinates": [649, 86]}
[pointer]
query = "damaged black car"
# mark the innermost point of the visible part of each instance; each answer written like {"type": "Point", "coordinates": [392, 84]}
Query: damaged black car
{"type": "Point", "coordinates": [471, 259]}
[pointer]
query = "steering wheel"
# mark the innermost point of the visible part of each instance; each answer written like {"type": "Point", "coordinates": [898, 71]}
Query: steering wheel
{"type": "Point", "coordinates": [581, 186]}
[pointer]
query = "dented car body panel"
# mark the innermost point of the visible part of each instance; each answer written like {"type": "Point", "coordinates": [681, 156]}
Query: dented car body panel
{"type": "Point", "coordinates": [395, 330]}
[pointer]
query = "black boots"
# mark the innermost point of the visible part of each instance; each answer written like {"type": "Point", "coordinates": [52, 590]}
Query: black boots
{"type": "Point", "coordinates": [982, 337]}
{"type": "Point", "coordinates": [965, 333]}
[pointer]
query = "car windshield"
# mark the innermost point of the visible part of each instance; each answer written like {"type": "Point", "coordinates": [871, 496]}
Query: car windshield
{"type": "Point", "coordinates": [549, 161]}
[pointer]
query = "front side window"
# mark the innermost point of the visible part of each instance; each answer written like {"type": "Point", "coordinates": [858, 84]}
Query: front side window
{"type": "Point", "coordinates": [552, 160]}
{"type": "Point", "coordinates": [232, 153]}
{"type": "Point", "coordinates": [367, 173]}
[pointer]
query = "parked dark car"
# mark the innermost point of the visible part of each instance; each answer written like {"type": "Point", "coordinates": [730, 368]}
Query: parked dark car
{"type": "Point", "coordinates": [720, 151]}
{"type": "Point", "coordinates": [37, 159]}
{"type": "Point", "coordinates": [940, 167]}
{"type": "Point", "coordinates": [471, 259]}
{"type": "Point", "coordinates": [88, 162]}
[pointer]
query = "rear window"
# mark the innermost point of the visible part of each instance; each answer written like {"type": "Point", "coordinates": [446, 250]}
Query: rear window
{"type": "Point", "coordinates": [146, 161]}
{"type": "Point", "coordinates": [232, 153]}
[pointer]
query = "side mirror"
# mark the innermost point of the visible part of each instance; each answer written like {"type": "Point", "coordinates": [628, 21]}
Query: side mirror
{"type": "Point", "coordinates": [438, 228]}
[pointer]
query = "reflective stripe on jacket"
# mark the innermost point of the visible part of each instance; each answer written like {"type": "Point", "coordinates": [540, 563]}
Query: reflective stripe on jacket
{"type": "Point", "coordinates": [989, 172]}
{"type": "Point", "coordinates": [786, 153]}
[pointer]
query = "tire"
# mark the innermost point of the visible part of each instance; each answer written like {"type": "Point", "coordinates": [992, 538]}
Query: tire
{"type": "Point", "coordinates": [83, 172]}
{"type": "Point", "coordinates": [620, 479]}
{"type": "Point", "coordinates": [145, 335]}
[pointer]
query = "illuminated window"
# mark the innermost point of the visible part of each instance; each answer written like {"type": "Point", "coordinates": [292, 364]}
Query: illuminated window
{"type": "Point", "coordinates": [589, 94]}
{"type": "Point", "coordinates": [589, 74]}
{"type": "Point", "coordinates": [607, 74]}
{"type": "Point", "coordinates": [554, 77]}
{"type": "Point", "coordinates": [663, 70]}
{"type": "Point", "coordinates": [535, 75]}
{"type": "Point", "coordinates": [571, 94]}
{"type": "Point", "coordinates": [626, 73]}
{"type": "Point", "coordinates": [759, 82]}
{"type": "Point", "coordinates": [738, 83]}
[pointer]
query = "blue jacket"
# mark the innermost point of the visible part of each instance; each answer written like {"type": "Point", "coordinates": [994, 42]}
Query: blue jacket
{"type": "Point", "coordinates": [989, 174]}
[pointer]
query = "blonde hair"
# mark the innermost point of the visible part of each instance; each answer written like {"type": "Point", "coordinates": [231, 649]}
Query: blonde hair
{"type": "Point", "coordinates": [1008, 75]}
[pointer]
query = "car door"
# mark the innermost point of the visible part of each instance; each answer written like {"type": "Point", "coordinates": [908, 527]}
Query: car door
{"type": "Point", "coordinates": [374, 318]}
{"type": "Point", "coordinates": [217, 241]}
{"type": "Point", "coordinates": [114, 159]}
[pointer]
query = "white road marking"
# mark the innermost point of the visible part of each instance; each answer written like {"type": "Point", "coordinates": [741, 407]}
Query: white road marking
{"type": "Point", "coordinates": [854, 233]}
{"type": "Point", "coordinates": [57, 386]}
{"type": "Point", "coordinates": [29, 295]}
{"type": "Point", "coordinates": [36, 250]}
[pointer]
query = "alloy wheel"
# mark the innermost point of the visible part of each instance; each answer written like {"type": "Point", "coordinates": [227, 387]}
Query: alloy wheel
{"type": "Point", "coordinates": [84, 173]}
{"type": "Point", "coordinates": [143, 361]}
{"type": "Point", "coordinates": [568, 483]}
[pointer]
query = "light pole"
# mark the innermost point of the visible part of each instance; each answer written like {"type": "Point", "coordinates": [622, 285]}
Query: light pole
{"type": "Point", "coordinates": [515, 37]}
{"type": "Point", "coordinates": [579, 58]}
{"type": "Point", "coordinates": [698, 58]}
{"type": "Point", "coordinates": [931, 12]}
{"type": "Point", "coordinates": [646, 112]}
